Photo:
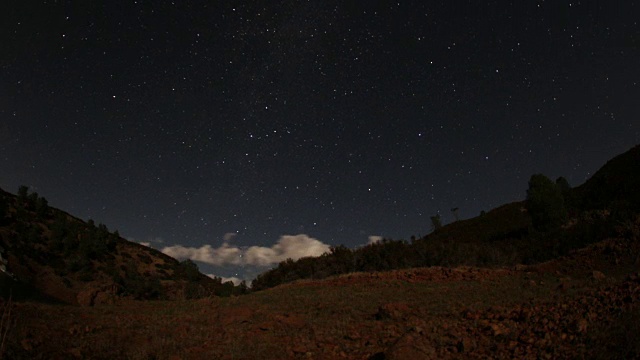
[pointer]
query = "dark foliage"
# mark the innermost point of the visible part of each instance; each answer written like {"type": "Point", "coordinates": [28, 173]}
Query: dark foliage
{"type": "Point", "coordinates": [31, 202]}
{"type": "Point", "coordinates": [190, 270]}
{"type": "Point", "coordinates": [545, 203]}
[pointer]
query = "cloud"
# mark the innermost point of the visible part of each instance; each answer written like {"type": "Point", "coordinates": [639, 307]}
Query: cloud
{"type": "Point", "coordinates": [374, 239]}
{"type": "Point", "coordinates": [224, 255]}
{"type": "Point", "coordinates": [150, 242]}
{"type": "Point", "coordinates": [229, 236]}
{"type": "Point", "coordinates": [236, 281]}
{"type": "Point", "coordinates": [288, 246]}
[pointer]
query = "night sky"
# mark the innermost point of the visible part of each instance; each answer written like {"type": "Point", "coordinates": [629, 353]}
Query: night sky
{"type": "Point", "coordinates": [239, 133]}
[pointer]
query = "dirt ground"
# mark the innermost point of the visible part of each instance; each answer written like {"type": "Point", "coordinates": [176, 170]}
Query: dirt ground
{"type": "Point", "coordinates": [582, 306]}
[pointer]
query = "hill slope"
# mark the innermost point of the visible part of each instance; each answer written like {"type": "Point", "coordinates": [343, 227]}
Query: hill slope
{"type": "Point", "coordinates": [502, 237]}
{"type": "Point", "coordinates": [53, 255]}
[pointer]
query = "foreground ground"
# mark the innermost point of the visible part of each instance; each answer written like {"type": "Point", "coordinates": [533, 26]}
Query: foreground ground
{"type": "Point", "coordinates": [582, 306]}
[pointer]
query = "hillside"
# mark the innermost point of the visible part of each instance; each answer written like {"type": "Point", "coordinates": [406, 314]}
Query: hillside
{"type": "Point", "coordinates": [53, 256]}
{"type": "Point", "coordinates": [504, 236]}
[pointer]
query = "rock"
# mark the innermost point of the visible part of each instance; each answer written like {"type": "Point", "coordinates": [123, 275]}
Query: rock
{"type": "Point", "coordinates": [470, 315]}
{"type": "Point", "coordinates": [466, 344]}
{"type": "Point", "coordinates": [103, 298]}
{"type": "Point", "coordinates": [76, 353]}
{"type": "Point", "coordinates": [410, 347]}
{"type": "Point", "coordinates": [299, 349]}
{"type": "Point", "coordinates": [597, 275]}
{"type": "Point", "coordinates": [392, 311]}
{"type": "Point", "coordinates": [236, 316]}
{"type": "Point", "coordinates": [86, 297]}
{"type": "Point", "coordinates": [581, 325]}
{"type": "Point", "coordinates": [563, 287]}
{"type": "Point", "coordinates": [26, 345]}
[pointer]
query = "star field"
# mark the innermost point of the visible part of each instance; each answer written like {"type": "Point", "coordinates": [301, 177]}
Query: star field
{"type": "Point", "coordinates": [198, 123]}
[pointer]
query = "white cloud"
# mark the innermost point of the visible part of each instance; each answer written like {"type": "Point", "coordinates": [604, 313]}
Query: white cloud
{"type": "Point", "coordinates": [145, 243]}
{"type": "Point", "coordinates": [288, 246]}
{"type": "Point", "coordinates": [224, 255]}
{"type": "Point", "coordinates": [236, 281]}
{"type": "Point", "coordinates": [374, 239]}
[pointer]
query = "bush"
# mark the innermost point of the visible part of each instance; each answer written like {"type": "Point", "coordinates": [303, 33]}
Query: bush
{"type": "Point", "coordinates": [190, 270]}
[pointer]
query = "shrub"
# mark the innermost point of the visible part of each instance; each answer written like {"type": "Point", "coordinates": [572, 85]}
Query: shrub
{"type": "Point", "coordinates": [545, 203]}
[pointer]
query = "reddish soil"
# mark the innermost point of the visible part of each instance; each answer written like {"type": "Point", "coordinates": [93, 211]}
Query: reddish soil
{"type": "Point", "coordinates": [582, 306]}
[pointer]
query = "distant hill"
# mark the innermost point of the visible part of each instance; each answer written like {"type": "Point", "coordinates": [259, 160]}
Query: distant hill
{"type": "Point", "coordinates": [49, 254]}
{"type": "Point", "coordinates": [501, 237]}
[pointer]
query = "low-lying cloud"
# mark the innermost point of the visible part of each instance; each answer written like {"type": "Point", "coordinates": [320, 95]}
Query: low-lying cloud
{"type": "Point", "coordinates": [288, 246]}
{"type": "Point", "coordinates": [224, 255]}
{"type": "Point", "coordinates": [236, 281]}
{"type": "Point", "coordinates": [374, 239]}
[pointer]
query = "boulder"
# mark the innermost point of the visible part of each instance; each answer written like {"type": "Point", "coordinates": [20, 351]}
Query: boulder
{"type": "Point", "coordinates": [598, 275]}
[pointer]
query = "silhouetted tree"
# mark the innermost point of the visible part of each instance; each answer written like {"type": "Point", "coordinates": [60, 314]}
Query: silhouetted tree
{"type": "Point", "coordinates": [455, 213]}
{"type": "Point", "coordinates": [545, 203]}
{"type": "Point", "coordinates": [436, 222]}
{"type": "Point", "coordinates": [241, 289]}
{"type": "Point", "coordinates": [23, 193]}
{"type": "Point", "coordinates": [567, 193]}
{"type": "Point", "coordinates": [563, 185]}
{"type": "Point", "coordinates": [225, 290]}
{"type": "Point", "coordinates": [33, 199]}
